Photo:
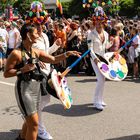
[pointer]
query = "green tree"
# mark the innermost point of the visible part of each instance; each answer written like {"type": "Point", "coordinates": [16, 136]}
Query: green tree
{"type": "Point", "coordinates": [129, 8]}
{"type": "Point", "coordinates": [76, 8]}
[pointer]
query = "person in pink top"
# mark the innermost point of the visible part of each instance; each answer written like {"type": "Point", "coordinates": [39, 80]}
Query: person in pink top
{"type": "Point", "coordinates": [115, 38]}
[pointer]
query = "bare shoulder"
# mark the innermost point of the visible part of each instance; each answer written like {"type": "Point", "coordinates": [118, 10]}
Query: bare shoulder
{"type": "Point", "coordinates": [15, 56]}
{"type": "Point", "coordinates": [16, 53]}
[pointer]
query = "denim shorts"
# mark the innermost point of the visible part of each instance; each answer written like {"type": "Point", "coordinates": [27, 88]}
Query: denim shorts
{"type": "Point", "coordinates": [2, 55]}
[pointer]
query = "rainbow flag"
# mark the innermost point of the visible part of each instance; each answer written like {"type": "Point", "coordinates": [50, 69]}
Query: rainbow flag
{"type": "Point", "coordinates": [59, 5]}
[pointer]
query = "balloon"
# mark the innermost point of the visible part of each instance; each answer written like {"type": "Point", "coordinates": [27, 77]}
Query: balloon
{"type": "Point", "coordinates": [114, 3]}
{"type": "Point", "coordinates": [36, 6]}
{"type": "Point", "coordinates": [98, 2]}
{"type": "Point", "coordinates": [88, 5]}
{"type": "Point", "coordinates": [94, 5]}
{"type": "Point", "coordinates": [84, 1]}
{"type": "Point", "coordinates": [45, 13]}
{"type": "Point", "coordinates": [109, 2]}
{"type": "Point", "coordinates": [30, 14]}
{"type": "Point", "coordinates": [84, 5]}
{"type": "Point", "coordinates": [42, 18]}
{"type": "Point", "coordinates": [90, 1]}
{"type": "Point", "coordinates": [103, 3]}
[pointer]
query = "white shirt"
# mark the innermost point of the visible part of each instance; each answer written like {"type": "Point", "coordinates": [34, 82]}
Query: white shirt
{"type": "Point", "coordinates": [136, 41]}
{"type": "Point", "coordinates": [94, 42]}
{"type": "Point", "coordinates": [3, 37]}
{"type": "Point", "coordinates": [12, 38]}
{"type": "Point", "coordinates": [42, 43]}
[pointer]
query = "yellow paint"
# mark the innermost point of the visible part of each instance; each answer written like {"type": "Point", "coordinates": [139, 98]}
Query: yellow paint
{"type": "Point", "coordinates": [122, 61]}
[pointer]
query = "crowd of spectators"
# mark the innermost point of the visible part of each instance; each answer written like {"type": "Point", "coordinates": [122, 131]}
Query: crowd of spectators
{"type": "Point", "coordinates": [73, 34]}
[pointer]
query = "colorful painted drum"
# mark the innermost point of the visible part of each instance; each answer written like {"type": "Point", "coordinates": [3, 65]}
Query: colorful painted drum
{"type": "Point", "coordinates": [122, 61]}
{"type": "Point", "coordinates": [112, 74]}
{"type": "Point", "coordinates": [104, 67]}
{"type": "Point", "coordinates": [62, 90]}
{"type": "Point", "coordinates": [120, 74]}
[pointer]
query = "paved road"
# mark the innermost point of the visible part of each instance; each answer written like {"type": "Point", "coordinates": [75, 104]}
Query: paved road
{"type": "Point", "coordinates": [119, 121]}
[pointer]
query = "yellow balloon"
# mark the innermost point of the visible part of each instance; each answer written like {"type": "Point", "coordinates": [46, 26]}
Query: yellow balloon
{"type": "Point", "coordinates": [103, 3]}
{"type": "Point", "coordinates": [90, 1]}
{"type": "Point", "coordinates": [114, 3]}
{"type": "Point", "coordinates": [84, 5]}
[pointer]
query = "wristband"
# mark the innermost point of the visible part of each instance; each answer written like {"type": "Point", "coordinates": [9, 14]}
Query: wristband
{"type": "Point", "coordinates": [19, 72]}
{"type": "Point", "coordinates": [65, 54]}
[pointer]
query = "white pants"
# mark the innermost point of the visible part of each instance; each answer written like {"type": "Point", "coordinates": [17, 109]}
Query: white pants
{"type": "Point", "coordinates": [44, 101]}
{"type": "Point", "coordinates": [133, 53]}
{"type": "Point", "coordinates": [98, 93]}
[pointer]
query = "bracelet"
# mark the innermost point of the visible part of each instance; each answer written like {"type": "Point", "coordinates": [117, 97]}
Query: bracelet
{"type": "Point", "coordinates": [18, 72]}
{"type": "Point", "coordinates": [65, 54]}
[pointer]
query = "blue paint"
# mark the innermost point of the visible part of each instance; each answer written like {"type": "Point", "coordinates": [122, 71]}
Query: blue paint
{"type": "Point", "coordinates": [113, 74]}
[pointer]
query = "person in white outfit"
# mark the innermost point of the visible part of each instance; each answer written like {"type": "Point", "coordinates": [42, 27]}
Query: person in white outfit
{"type": "Point", "coordinates": [98, 42]}
{"type": "Point", "coordinates": [134, 52]}
{"type": "Point", "coordinates": [14, 38]}
{"type": "Point", "coordinates": [3, 45]}
{"type": "Point", "coordinates": [42, 43]}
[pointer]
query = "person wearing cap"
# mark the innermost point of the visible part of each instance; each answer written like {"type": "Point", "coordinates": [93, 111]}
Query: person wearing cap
{"type": "Point", "coordinates": [98, 41]}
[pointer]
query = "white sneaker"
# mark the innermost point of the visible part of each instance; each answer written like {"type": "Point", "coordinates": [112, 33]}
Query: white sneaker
{"type": "Point", "coordinates": [103, 103]}
{"type": "Point", "coordinates": [98, 107]}
{"type": "Point", "coordinates": [44, 135]}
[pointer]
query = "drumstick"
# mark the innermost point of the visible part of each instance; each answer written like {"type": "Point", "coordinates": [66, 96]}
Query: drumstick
{"type": "Point", "coordinates": [125, 45]}
{"type": "Point", "coordinates": [75, 63]}
{"type": "Point", "coordinates": [69, 68]}
{"type": "Point", "coordinates": [79, 59]}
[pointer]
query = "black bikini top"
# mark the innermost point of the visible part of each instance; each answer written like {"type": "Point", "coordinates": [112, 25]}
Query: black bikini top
{"type": "Point", "coordinates": [33, 59]}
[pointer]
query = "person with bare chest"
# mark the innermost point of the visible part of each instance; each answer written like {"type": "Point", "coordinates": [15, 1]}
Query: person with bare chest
{"type": "Point", "coordinates": [98, 42]}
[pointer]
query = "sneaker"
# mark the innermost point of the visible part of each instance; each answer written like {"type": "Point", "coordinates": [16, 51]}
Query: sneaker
{"type": "Point", "coordinates": [98, 107]}
{"type": "Point", "coordinates": [44, 135]}
{"type": "Point", "coordinates": [104, 104]}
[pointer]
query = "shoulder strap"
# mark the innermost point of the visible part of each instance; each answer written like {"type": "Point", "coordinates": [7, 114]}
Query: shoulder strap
{"type": "Point", "coordinates": [23, 54]}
